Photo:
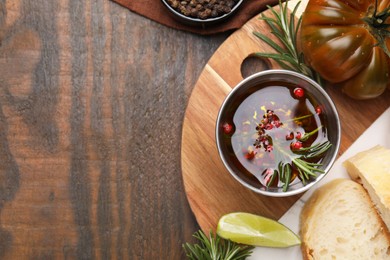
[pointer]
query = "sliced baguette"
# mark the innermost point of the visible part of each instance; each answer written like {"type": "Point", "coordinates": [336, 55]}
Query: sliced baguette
{"type": "Point", "coordinates": [340, 222]}
{"type": "Point", "coordinates": [372, 169]}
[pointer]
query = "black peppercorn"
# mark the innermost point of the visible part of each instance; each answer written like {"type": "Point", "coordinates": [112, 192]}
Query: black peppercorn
{"type": "Point", "coordinates": [203, 9]}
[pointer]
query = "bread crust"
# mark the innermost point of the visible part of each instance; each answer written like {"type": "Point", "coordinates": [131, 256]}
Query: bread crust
{"type": "Point", "coordinates": [371, 168]}
{"type": "Point", "coordinates": [312, 208]}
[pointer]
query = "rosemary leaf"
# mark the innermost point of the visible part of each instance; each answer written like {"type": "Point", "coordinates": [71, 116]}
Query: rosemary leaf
{"type": "Point", "coordinates": [270, 42]}
{"type": "Point", "coordinates": [280, 57]}
{"type": "Point", "coordinates": [285, 29]}
{"type": "Point", "coordinates": [293, 28]}
{"type": "Point", "coordinates": [215, 248]}
{"type": "Point", "coordinates": [316, 150]}
{"type": "Point", "coordinates": [306, 168]}
{"type": "Point", "coordinates": [307, 135]}
{"type": "Point", "coordinates": [282, 176]}
{"type": "Point", "coordinates": [272, 178]}
{"type": "Point", "coordinates": [287, 170]}
{"type": "Point", "coordinates": [303, 176]}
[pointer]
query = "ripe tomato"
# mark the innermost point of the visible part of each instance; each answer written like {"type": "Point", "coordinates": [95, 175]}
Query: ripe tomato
{"type": "Point", "coordinates": [340, 40]}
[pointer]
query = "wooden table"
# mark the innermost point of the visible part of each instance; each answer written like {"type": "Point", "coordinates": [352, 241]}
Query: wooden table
{"type": "Point", "coordinates": [92, 102]}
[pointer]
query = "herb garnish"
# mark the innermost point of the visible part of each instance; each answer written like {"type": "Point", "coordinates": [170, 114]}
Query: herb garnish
{"type": "Point", "coordinates": [305, 168]}
{"type": "Point", "coordinates": [302, 158]}
{"type": "Point", "coordinates": [216, 248]}
{"type": "Point", "coordinates": [283, 26]}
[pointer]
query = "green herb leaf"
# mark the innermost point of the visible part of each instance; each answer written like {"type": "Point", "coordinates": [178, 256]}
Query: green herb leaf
{"type": "Point", "coordinates": [315, 150]}
{"type": "Point", "coordinates": [215, 248]}
{"type": "Point", "coordinates": [285, 29]}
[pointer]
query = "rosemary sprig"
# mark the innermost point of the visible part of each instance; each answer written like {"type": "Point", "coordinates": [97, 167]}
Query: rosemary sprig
{"type": "Point", "coordinates": [297, 156]}
{"type": "Point", "coordinates": [306, 169]}
{"type": "Point", "coordinates": [307, 135]}
{"type": "Point", "coordinates": [284, 27]}
{"type": "Point", "coordinates": [314, 150]}
{"type": "Point", "coordinates": [216, 248]}
{"type": "Point", "coordinates": [285, 174]}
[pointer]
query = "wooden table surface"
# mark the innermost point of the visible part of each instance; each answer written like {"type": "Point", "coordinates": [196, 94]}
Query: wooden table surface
{"type": "Point", "coordinates": [92, 101]}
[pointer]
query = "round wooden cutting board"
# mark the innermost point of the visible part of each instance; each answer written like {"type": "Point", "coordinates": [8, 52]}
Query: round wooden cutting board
{"type": "Point", "coordinates": [210, 189]}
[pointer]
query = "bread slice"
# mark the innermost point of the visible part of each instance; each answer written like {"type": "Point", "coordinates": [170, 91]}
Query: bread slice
{"type": "Point", "coordinates": [339, 221]}
{"type": "Point", "coordinates": [372, 169]}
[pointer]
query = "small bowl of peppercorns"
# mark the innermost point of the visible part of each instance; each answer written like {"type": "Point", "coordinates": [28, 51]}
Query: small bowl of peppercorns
{"type": "Point", "coordinates": [202, 12]}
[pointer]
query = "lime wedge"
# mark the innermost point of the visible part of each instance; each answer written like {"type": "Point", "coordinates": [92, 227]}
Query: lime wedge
{"type": "Point", "coordinates": [250, 229]}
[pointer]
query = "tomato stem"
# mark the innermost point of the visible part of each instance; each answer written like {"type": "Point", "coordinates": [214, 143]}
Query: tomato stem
{"type": "Point", "coordinates": [378, 26]}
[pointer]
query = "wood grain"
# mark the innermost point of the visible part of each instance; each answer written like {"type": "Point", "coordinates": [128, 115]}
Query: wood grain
{"type": "Point", "coordinates": [92, 99]}
{"type": "Point", "coordinates": [210, 189]}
